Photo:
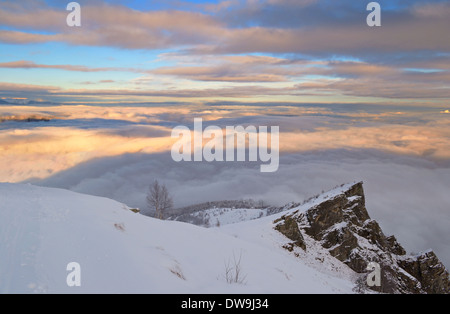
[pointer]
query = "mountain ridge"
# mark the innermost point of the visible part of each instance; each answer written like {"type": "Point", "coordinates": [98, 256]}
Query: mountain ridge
{"type": "Point", "coordinates": [320, 246]}
{"type": "Point", "coordinates": [342, 225]}
{"type": "Point", "coordinates": [339, 222]}
{"type": "Point", "coordinates": [42, 230]}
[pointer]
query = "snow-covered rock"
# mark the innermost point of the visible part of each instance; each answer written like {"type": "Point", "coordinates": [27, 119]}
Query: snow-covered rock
{"type": "Point", "coordinates": [342, 225]}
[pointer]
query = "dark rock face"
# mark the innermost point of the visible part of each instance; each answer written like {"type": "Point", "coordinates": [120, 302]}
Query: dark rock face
{"type": "Point", "coordinates": [394, 246]}
{"type": "Point", "coordinates": [431, 273]}
{"type": "Point", "coordinates": [290, 229]}
{"type": "Point", "coordinates": [342, 225]}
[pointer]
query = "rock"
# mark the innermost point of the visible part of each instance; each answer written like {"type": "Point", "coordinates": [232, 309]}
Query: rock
{"type": "Point", "coordinates": [394, 246]}
{"type": "Point", "coordinates": [289, 227]}
{"type": "Point", "coordinates": [341, 223]}
{"type": "Point", "coordinates": [431, 273]}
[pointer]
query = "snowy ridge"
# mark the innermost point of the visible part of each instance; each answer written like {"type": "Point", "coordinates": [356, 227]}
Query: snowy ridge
{"type": "Point", "coordinates": [224, 216]}
{"type": "Point", "coordinates": [320, 246]}
{"type": "Point", "coordinates": [215, 214]}
{"type": "Point", "coordinates": [341, 224]}
{"type": "Point", "coordinates": [219, 216]}
{"type": "Point", "coordinates": [43, 230]}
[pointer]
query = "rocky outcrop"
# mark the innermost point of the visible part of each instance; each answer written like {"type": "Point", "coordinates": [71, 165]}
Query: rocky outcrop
{"type": "Point", "coordinates": [290, 229]}
{"type": "Point", "coordinates": [341, 224]}
{"type": "Point", "coordinates": [431, 273]}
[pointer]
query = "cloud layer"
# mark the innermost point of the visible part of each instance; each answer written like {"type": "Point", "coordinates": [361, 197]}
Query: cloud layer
{"type": "Point", "coordinates": [403, 157]}
{"type": "Point", "coordinates": [278, 26]}
{"type": "Point", "coordinates": [407, 195]}
{"type": "Point", "coordinates": [77, 134]}
{"type": "Point", "coordinates": [272, 50]}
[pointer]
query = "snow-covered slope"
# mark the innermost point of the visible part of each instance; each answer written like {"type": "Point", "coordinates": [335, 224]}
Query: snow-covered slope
{"type": "Point", "coordinates": [225, 216]}
{"type": "Point", "coordinates": [42, 230]}
{"type": "Point", "coordinates": [214, 214]}
{"type": "Point", "coordinates": [220, 216]}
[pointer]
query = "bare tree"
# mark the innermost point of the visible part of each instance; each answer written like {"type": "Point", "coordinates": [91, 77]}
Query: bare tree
{"type": "Point", "coordinates": [158, 199]}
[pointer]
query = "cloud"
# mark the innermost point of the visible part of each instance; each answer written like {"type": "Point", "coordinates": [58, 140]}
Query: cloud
{"type": "Point", "coordinates": [23, 64]}
{"type": "Point", "coordinates": [111, 25]}
{"type": "Point", "coordinates": [110, 131]}
{"type": "Point", "coordinates": [431, 10]}
{"type": "Point", "coordinates": [317, 78]}
{"type": "Point", "coordinates": [213, 56]}
{"type": "Point", "coordinates": [374, 80]}
{"type": "Point", "coordinates": [352, 40]}
{"type": "Point", "coordinates": [27, 91]}
{"type": "Point", "coordinates": [108, 25]}
{"type": "Point", "coordinates": [355, 79]}
{"type": "Point", "coordinates": [407, 140]}
{"type": "Point", "coordinates": [32, 14]}
{"type": "Point", "coordinates": [57, 149]}
{"type": "Point", "coordinates": [346, 77]}
{"type": "Point", "coordinates": [225, 72]}
{"type": "Point", "coordinates": [98, 82]}
{"type": "Point", "coordinates": [402, 157]}
{"type": "Point", "coordinates": [407, 195]}
{"type": "Point", "coordinates": [220, 6]}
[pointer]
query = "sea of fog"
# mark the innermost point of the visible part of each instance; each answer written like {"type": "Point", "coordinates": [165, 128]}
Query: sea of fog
{"type": "Point", "coordinates": [401, 153]}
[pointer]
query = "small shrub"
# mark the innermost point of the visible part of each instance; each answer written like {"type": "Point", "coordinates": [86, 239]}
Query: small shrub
{"type": "Point", "coordinates": [233, 270]}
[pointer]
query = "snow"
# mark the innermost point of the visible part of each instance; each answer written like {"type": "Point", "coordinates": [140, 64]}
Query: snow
{"type": "Point", "coordinates": [352, 199]}
{"type": "Point", "coordinates": [325, 196]}
{"type": "Point", "coordinates": [261, 232]}
{"type": "Point", "coordinates": [42, 230]}
{"type": "Point", "coordinates": [227, 216]}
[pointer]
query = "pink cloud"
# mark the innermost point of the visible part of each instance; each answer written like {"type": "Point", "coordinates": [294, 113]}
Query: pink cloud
{"type": "Point", "coordinates": [22, 64]}
{"type": "Point", "coordinates": [118, 26]}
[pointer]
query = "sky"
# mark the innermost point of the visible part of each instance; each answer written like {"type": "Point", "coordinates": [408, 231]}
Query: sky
{"type": "Point", "coordinates": [353, 102]}
{"type": "Point", "coordinates": [251, 50]}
